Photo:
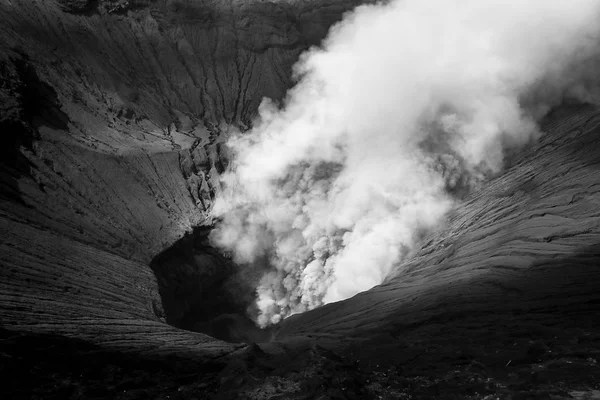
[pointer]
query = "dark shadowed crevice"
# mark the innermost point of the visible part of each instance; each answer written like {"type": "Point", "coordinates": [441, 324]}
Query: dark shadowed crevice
{"type": "Point", "coordinates": [26, 104]}
{"type": "Point", "coordinates": [204, 291]}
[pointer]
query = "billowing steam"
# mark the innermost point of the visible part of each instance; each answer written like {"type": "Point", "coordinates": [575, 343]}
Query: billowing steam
{"type": "Point", "coordinates": [404, 106]}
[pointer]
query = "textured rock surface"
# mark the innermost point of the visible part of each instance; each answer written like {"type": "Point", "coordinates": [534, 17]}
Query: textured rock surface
{"type": "Point", "coordinates": [111, 149]}
{"type": "Point", "coordinates": [112, 125]}
{"type": "Point", "coordinates": [112, 129]}
{"type": "Point", "coordinates": [147, 95]}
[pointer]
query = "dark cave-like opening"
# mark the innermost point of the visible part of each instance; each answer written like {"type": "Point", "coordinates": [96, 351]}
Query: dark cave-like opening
{"type": "Point", "coordinates": [204, 291]}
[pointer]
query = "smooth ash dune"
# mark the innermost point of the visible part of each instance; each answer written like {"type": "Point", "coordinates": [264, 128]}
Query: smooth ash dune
{"type": "Point", "coordinates": [402, 105]}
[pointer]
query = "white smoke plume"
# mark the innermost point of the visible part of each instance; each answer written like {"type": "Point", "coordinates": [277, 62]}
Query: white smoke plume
{"type": "Point", "coordinates": [403, 104]}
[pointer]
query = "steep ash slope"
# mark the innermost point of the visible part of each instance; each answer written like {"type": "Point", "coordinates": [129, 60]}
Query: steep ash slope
{"type": "Point", "coordinates": [113, 122]}
{"type": "Point", "coordinates": [153, 87]}
{"type": "Point", "coordinates": [113, 117]}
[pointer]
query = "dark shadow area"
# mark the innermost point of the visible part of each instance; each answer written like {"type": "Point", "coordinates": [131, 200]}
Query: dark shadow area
{"type": "Point", "coordinates": [204, 291]}
{"type": "Point", "coordinates": [26, 104]}
{"type": "Point", "coordinates": [545, 312]}
{"type": "Point", "coordinates": [44, 366]}
{"type": "Point", "coordinates": [534, 334]}
{"type": "Point", "coordinates": [81, 7]}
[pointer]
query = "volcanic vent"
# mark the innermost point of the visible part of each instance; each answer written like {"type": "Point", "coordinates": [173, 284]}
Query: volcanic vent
{"type": "Point", "coordinates": [202, 290]}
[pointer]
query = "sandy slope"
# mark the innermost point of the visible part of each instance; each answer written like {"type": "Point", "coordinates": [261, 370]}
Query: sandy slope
{"type": "Point", "coordinates": [112, 129]}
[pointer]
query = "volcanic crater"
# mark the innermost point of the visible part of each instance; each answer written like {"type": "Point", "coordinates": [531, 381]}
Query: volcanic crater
{"type": "Point", "coordinates": [115, 117]}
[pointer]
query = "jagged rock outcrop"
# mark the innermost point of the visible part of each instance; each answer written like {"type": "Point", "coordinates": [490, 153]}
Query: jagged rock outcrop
{"type": "Point", "coordinates": [113, 119]}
